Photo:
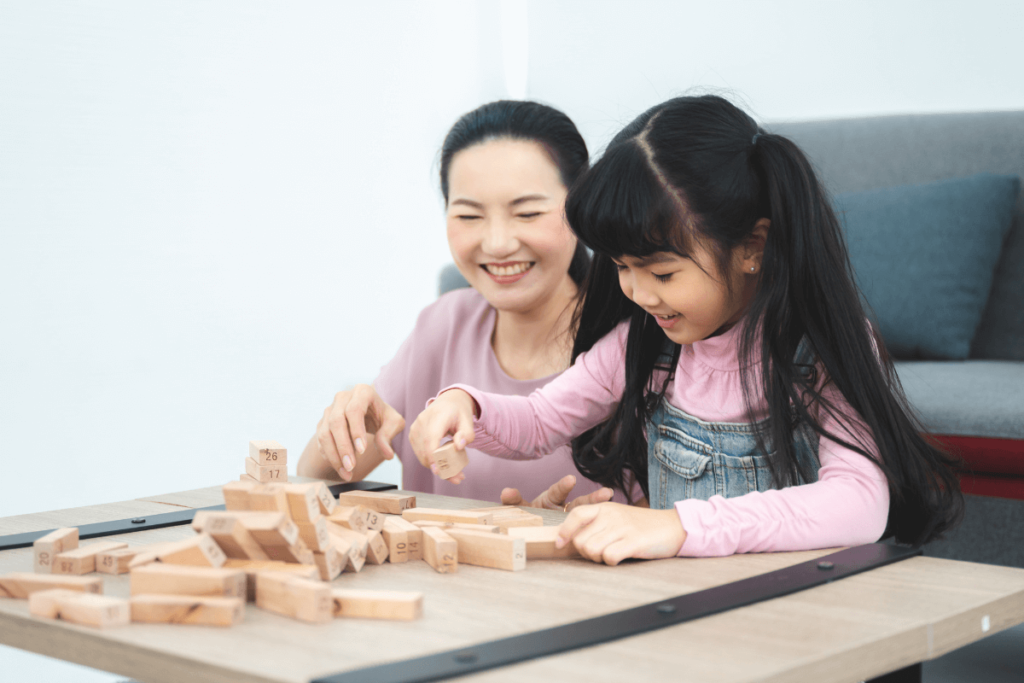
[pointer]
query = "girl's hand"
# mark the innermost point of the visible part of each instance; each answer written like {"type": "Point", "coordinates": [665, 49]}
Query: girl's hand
{"type": "Point", "coordinates": [612, 532]}
{"type": "Point", "coordinates": [554, 497]}
{"type": "Point", "coordinates": [450, 413]}
{"type": "Point", "coordinates": [358, 423]}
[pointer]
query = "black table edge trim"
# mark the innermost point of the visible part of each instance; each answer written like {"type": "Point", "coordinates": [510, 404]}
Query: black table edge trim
{"type": "Point", "coordinates": [629, 622]}
{"type": "Point", "coordinates": [159, 520]}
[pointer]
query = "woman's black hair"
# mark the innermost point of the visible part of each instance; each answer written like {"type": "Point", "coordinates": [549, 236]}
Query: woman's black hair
{"type": "Point", "coordinates": [530, 121]}
{"type": "Point", "coordinates": [700, 170]}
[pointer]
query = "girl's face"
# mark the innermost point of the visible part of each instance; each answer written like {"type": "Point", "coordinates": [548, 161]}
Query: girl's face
{"type": "Point", "coordinates": [687, 296]}
{"type": "Point", "coordinates": [506, 223]}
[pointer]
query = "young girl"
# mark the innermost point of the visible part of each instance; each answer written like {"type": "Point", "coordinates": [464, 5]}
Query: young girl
{"type": "Point", "coordinates": [722, 359]}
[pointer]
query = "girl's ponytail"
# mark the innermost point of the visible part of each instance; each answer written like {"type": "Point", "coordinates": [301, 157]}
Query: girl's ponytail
{"type": "Point", "coordinates": [807, 290]}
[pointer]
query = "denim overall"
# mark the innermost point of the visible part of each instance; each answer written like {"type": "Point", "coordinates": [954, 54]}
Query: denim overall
{"type": "Point", "coordinates": [690, 458]}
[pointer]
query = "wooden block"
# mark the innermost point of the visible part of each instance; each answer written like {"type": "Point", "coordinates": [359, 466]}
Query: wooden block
{"type": "Point", "coordinates": [414, 536]}
{"type": "Point", "coordinates": [46, 604]}
{"type": "Point", "coordinates": [540, 543]}
{"type": "Point", "coordinates": [350, 516]}
{"type": "Point", "coordinates": [82, 560]}
{"type": "Point", "coordinates": [376, 604]}
{"type": "Point", "coordinates": [116, 561]}
{"type": "Point", "coordinates": [441, 515]}
{"type": "Point", "coordinates": [147, 553]}
{"type": "Point", "coordinates": [349, 551]}
{"type": "Point", "coordinates": [236, 494]}
{"type": "Point", "coordinates": [506, 522]}
{"type": "Point", "coordinates": [314, 535]}
{"type": "Point", "coordinates": [496, 551]}
{"type": "Point", "coordinates": [379, 501]}
{"type": "Point", "coordinates": [22, 584]}
{"type": "Point", "coordinates": [330, 562]}
{"type": "Point", "coordinates": [177, 579]}
{"type": "Point", "coordinates": [296, 553]}
{"type": "Point", "coordinates": [270, 498]}
{"type": "Point", "coordinates": [293, 597]}
{"type": "Point", "coordinates": [87, 609]}
{"type": "Point", "coordinates": [325, 498]}
{"type": "Point", "coordinates": [254, 567]}
{"type": "Point", "coordinates": [397, 539]}
{"type": "Point", "coordinates": [357, 545]}
{"type": "Point", "coordinates": [53, 543]}
{"type": "Point", "coordinates": [376, 548]}
{"type": "Point", "coordinates": [246, 479]}
{"type": "Point", "coordinates": [228, 531]}
{"type": "Point", "coordinates": [374, 520]}
{"type": "Point", "coordinates": [302, 502]}
{"type": "Point", "coordinates": [489, 528]}
{"type": "Point", "coordinates": [450, 461]}
{"type": "Point", "coordinates": [440, 550]}
{"type": "Point", "coordinates": [187, 609]}
{"type": "Point", "coordinates": [199, 551]}
{"type": "Point", "coordinates": [268, 452]}
{"type": "Point", "coordinates": [266, 474]}
{"type": "Point", "coordinates": [268, 528]}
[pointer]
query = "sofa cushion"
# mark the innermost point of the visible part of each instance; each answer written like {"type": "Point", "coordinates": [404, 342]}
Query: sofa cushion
{"type": "Point", "coordinates": [924, 256]}
{"type": "Point", "coordinates": [967, 398]}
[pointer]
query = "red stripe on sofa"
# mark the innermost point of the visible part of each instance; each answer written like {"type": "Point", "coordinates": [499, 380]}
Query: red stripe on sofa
{"type": "Point", "coordinates": [992, 485]}
{"type": "Point", "coordinates": [983, 454]}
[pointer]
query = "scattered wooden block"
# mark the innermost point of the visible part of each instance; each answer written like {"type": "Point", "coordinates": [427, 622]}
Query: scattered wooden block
{"type": "Point", "coordinates": [540, 543]}
{"type": "Point", "coordinates": [440, 550]}
{"type": "Point", "coordinates": [377, 604]}
{"type": "Point", "coordinates": [246, 479]}
{"type": "Point", "coordinates": [413, 537]}
{"type": "Point", "coordinates": [350, 517]}
{"type": "Point", "coordinates": [22, 584]}
{"type": "Point", "coordinates": [379, 501]}
{"type": "Point", "coordinates": [147, 553]}
{"type": "Point", "coordinates": [496, 551]}
{"type": "Point", "coordinates": [269, 498]}
{"type": "Point", "coordinates": [450, 461]}
{"type": "Point", "coordinates": [254, 567]}
{"type": "Point", "coordinates": [236, 494]}
{"type": "Point", "coordinates": [509, 521]}
{"type": "Point", "coordinates": [376, 548]}
{"type": "Point", "coordinates": [330, 562]}
{"type": "Point", "coordinates": [355, 545]}
{"type": "Point", "coordinates": [116, 561]}
{"type": "Point", "coordinates": [325, 498]}
{"type": "Point", "coordinates": [177, 579]}
{"type": "Point", "coordinates": [268, 528]}
{"type": "Point", "coordinates": [187, 609]}
{"type": "Point", "coordinates": [199, 551]}
{"type": "Point", "coordinates": [268, 452]}
{"type": "Point", "coordinates": [303, 503]}
{"type": "Point", "coordinates": [87, 609]}
{"type": "Point", "coordinates": [53, 543]}
{"type": "Point", "coordinates": [266, 474]}
{"type": "Point", "coordinates": [314, 534]}
{"type": "Point", "coordinates": [297, 553]}
{"type": "Point", "coordinates": [397, 539]}
{"type": "Point", "coordinates": [489, 528]}
{"type": "Point", "coordinates": [82, 560]}
{"type": "Point", "coordinates": [441, 515]}
{"type": "Point", "coordinates": [293, 597]}
{"type": "Point", "coordinates": [230, 534]}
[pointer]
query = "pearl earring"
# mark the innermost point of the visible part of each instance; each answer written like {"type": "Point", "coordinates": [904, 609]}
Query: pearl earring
{"type": "Point", "coordinates": [751, 269]}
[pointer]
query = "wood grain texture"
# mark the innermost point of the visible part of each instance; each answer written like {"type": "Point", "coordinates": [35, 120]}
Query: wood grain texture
{"type": "Point", "coordinates": [849, 630]}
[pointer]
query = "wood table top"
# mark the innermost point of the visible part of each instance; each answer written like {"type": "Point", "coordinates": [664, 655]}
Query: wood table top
{"type": "Point", "coordinates": [849, 630]}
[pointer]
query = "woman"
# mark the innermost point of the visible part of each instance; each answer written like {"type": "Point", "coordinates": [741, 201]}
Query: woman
{"type": "Point", "coordinates": [505, 170]}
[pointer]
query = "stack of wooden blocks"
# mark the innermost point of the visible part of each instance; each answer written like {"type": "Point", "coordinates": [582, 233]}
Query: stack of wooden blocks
{"type": "Point", "coordinates": [267, 462]}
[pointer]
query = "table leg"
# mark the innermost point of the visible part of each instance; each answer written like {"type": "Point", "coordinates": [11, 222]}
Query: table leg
{"type": "Point", "coordinates": [910, 674]}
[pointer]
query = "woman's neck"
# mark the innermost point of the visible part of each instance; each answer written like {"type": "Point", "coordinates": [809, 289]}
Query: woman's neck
{"type": "Point", "coordinates": [535, 343]}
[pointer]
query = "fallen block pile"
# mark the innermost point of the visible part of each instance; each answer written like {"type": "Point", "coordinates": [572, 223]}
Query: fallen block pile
{"type": "Point", "coordinates": [280, 546]}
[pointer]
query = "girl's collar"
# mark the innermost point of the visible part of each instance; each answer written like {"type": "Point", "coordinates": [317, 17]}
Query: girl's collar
{"type": "Point", "coordinates": [720, 352]}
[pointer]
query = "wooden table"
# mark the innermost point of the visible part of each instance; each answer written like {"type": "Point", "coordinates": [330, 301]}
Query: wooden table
{"type": "Point", "coordinates": [851, 630]}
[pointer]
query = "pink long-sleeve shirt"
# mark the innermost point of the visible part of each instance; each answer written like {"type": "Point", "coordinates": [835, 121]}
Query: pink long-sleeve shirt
{"type": "Point", "coordinates": [848, 505]}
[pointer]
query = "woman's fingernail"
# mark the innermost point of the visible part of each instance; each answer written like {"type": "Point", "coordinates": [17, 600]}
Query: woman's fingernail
{"type": "Point", "coordinates": [433, 467]}
{"type": "Point", "coordinates": [461, 443]}
{"type": "Point", "coordinates": [347, 462]}
{"type": "Point", "coordinates": [360, 448]}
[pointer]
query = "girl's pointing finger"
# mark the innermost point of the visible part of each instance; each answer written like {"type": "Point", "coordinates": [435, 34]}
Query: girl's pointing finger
{"type": "Point", "coordinates": [577, 520]}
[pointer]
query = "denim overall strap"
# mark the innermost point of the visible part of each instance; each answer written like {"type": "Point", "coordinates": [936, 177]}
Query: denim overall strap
{"type": "Point", "coordinates": [690, 458]}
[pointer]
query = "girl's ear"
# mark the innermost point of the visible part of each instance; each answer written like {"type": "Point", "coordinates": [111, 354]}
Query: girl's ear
{"type": "Point", "coordinates": [752, 248]}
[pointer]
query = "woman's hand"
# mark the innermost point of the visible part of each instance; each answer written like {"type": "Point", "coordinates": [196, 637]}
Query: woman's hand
{"type": "Point", "coordinates": [554, 498]}
{"type": "Point", "coordinates": [357, 428]}
{"type": "Point", "coordinates": [450, 413]}
{"type": "Point", "coordinates": [612, 532]}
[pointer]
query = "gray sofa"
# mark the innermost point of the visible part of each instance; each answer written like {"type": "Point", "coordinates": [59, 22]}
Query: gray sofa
{"type": "Point", "coordinates": [977, 405]}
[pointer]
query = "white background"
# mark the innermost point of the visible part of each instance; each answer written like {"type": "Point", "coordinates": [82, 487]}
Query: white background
{"type": "Point", "coordinates": [214, 215]}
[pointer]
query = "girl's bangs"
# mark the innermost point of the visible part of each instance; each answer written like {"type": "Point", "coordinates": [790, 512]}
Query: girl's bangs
{"type": "Point", "coordinates": [621, 208]}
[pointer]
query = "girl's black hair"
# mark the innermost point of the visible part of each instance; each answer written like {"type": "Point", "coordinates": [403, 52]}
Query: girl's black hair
{"type": "Point", "coordinates": [700, 170]}
{"type": "Point", "coordinates": [530, 121]}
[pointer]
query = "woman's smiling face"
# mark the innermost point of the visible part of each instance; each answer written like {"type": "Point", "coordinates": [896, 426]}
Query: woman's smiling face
{"type": "Point", "coordinates": [506, 223]}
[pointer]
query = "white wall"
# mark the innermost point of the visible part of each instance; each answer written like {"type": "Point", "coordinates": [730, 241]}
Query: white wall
{"type": "Point", "coordinates": [213, 215]}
